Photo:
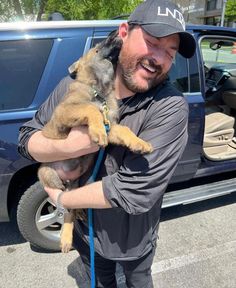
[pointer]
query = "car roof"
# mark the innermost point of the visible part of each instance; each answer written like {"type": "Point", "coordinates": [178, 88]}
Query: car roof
{"type": "Point", "coordinates": [198, 27]}
{"type": "Point", "coordinates": [9, 26]}
{"type": "Point", "coordinates": [58, 24]}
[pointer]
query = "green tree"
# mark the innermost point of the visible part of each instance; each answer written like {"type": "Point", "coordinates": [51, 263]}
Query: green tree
{"type": "Point", "coordinates": [113, 9]}
{"type": "Point", "coordinates": [28, 10]}
{"type": "Point", "coordinates": [70, 9]}
{"type": "Point", "coordinates": [25, 10]}
{"type": "Point", "coordinates": [90, 9]}
{"type": "Point", "coordinates": [6, 11]}
{"type": "Point", "coordinates": [230, 10]}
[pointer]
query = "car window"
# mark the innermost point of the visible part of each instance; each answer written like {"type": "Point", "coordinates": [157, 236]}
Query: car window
{"type": "Point", "coordinates": [219, 58]}
{"type": "Point", "coordinates": [21, 61]}
{"type": "Point", "coordinates": [217, 51]}
{"type": "Point", "coordinates": [179, 72]}
{"type": "Point", "coordinates": [97, 40]}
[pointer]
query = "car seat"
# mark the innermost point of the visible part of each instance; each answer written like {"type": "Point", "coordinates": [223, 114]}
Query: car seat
{"type": "Point", "coordinates": [218, 136]}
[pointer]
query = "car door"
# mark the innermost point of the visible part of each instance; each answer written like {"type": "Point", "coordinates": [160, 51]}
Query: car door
{"type": "Point", "coordinates": [32, 62]}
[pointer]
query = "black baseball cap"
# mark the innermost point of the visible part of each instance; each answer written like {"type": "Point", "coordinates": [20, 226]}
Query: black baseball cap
{"type": "Point", "coordinates": [161, 18]}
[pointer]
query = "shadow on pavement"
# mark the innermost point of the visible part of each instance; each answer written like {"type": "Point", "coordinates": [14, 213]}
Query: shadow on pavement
{"type": "Point", "coordinates": [183, 210]}
{"type": "Point", "coordinates": [10, 234]}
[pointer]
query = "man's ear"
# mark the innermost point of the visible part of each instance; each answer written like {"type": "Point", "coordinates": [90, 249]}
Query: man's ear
{"type": "Point", "coordinates": [123, 30]}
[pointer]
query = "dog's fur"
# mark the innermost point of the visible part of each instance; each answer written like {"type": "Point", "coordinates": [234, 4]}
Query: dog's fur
{"type": "Point", "coordinates": [94, 71]}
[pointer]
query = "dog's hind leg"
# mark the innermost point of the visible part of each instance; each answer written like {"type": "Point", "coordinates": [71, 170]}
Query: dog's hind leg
{"type": "Point", "coordinates": [122, 135]}
{"type": "Point", "coordinates": [67, 232]}
{"type": "Point", "coordinates": [48, 177]}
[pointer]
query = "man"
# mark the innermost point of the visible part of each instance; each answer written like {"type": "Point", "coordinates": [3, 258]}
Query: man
{"type": "Point", "coordinates": [127, 199]}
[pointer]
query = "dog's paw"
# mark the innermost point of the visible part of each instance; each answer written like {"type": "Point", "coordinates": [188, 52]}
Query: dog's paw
{"type": "Point", "coordinates": [98, 136]}
{"type": "Point", "coordinates": [55, 183]}
{"type": "Point", "coordinates": [141, 147]}
{"type": "Point", "coordinates": [66, 246]}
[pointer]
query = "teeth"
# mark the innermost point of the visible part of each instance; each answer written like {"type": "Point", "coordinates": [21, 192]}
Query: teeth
{"type": "Point", "coordinates": [149, 68]}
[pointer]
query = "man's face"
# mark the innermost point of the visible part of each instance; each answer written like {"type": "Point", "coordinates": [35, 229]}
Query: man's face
{"type": "Point", "coordinates": [144, 60]}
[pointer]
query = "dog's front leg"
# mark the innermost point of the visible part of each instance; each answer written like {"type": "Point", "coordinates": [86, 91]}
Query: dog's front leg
{"type": "Point", "coordinates": [67, 116]}
{"type": "Point", "coordinates": [122, 135]}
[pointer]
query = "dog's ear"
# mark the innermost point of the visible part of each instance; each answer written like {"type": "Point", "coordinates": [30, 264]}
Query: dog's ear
{"type": "Point", "coordinates": [73, 69]}
{"type": "Point", "coordinates": [112, 36]}
{"type": "Point", "coordinates": [110, 47]}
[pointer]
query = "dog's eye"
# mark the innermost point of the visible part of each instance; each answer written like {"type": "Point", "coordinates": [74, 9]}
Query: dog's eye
{"type": "Point", "coordinates": [96, 51]}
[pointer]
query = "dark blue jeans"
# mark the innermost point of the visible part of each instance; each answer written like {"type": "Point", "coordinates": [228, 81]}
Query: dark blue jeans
{"type": "Point", "coordinates": [137, 272]}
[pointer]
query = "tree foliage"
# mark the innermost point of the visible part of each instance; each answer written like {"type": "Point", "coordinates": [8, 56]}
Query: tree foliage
{"type": "Point", "coordinates": [21, 10]}
{"type": "Point", "coordinates": [230, 10]}
{"type": "Point", "coordinates": [30, 10]}
{"type": "Point", "coordinates": [90, 9]}
{"type": "Point", "coordinates": [5, 10]}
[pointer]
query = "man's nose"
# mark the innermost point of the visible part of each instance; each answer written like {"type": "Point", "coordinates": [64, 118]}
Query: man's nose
{"type": "Point", "coordinates": [159, 55]}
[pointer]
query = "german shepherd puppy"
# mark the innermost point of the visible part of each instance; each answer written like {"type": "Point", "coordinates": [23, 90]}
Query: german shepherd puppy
{"type": "Point", "coordinates": [89, 101]}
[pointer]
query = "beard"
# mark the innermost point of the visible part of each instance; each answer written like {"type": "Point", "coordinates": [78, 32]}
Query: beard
{"type": "Point", "coordinates": [128, 66]}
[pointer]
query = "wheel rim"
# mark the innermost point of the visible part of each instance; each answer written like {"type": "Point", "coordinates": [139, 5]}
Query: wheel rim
{"type": "Point", "coordinates": [48, 220]}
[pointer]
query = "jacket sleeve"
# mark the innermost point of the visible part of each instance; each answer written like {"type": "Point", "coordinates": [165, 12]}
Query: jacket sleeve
{"type": "Point", "coordinates": [142, 180]}
{"type": "Point", "coordinates": [41, 117]}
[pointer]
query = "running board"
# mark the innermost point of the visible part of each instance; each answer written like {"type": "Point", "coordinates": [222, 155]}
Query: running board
{"type": "Point", "coordinates": [199, 193]}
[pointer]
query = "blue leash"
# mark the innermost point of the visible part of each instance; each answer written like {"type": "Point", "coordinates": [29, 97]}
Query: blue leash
{"type": "Point", "coordinates": [91, 179]}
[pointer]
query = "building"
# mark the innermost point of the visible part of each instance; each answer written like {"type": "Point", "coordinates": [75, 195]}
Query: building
{"type": "Point", "coordinates": [203, 11]}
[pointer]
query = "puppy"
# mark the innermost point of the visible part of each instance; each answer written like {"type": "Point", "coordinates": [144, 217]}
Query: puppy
{"type": "Point", "coordinates": [90, 101]}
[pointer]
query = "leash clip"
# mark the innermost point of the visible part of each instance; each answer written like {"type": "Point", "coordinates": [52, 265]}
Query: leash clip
{"type": "Point", "coordinates": [105, 108]}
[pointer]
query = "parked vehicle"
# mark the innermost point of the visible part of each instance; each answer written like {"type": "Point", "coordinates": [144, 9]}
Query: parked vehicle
{"type": "Point", "coordinates": [34, 57]}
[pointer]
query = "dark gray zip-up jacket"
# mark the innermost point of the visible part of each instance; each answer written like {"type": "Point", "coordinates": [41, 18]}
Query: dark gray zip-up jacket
{"type": "Point", "coordinates": [134, 184]}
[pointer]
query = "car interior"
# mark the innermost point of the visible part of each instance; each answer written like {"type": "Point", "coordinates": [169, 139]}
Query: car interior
{"type": "Point", "coordinates": [219, 56]}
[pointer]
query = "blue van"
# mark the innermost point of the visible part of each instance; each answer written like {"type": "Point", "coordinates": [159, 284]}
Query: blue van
{"type": "Point", "coordinates": [34, 57]}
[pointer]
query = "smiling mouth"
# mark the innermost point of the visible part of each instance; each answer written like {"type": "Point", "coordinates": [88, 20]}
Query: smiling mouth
{"type": "Point", "coordinates": [149, 68]}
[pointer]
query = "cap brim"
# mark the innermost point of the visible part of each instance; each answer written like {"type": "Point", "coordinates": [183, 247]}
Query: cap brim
{"type": "Point", "coordinates": [187, 44]}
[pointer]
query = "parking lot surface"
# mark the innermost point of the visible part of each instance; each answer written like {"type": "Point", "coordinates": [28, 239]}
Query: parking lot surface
{"type": "Point", "coordinates": [196, 249]}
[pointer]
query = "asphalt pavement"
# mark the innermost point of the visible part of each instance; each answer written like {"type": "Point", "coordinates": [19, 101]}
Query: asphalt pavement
{"type": "Point", "coordinates": [196, 249]}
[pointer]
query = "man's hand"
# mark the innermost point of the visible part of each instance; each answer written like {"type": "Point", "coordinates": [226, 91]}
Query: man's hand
{"type": "Point", "coordinates": [53, 194]}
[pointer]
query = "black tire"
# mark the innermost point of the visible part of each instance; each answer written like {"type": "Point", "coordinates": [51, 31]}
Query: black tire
{"type": "Point", "coordinates": [38, 220]}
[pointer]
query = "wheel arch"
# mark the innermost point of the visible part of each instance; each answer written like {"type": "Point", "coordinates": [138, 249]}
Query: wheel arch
{"type": "Point", "coordinates": [19, 183]}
